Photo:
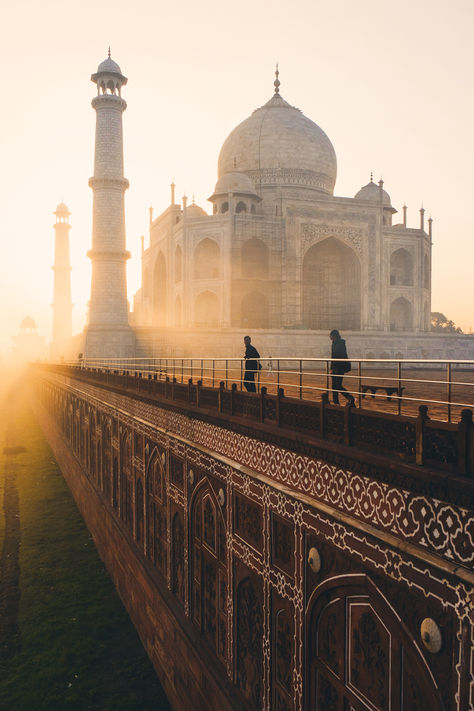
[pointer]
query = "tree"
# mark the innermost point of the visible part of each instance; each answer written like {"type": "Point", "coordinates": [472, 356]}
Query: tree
{"type": "Point", "coordinates": [441, 324]}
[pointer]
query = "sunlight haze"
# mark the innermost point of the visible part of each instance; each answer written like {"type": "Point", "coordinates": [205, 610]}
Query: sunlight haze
{"type": "Point", "coordinates": [390, 84]}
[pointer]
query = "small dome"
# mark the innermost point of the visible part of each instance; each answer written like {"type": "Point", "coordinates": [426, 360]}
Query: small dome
{"type": "Point", "coordinates": [371, 192]}
{"type": "Point", "coordinates": [109, 66]}
{"type": "Point", "coordinates": [234, 183]}
{"type": "Point", "coordinates": [194, 210]}
{"type": "Point", "coordinates": [28, 324]}
{"type": "Point", "coordinates": [62, 209]}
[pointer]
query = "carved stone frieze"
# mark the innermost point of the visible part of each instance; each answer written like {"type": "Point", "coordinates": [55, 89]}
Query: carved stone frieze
{"type": "Point", "coordinates": [312, 233]}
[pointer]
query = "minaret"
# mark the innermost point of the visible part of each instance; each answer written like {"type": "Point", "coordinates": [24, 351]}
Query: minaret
{"type": "Point", "coordinates": [108, 333]}
{"type": "Point", "coordinates": [62, 306]}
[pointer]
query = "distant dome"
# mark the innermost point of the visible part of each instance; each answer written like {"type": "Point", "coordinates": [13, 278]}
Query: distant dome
{"type": "Point", "coordinates": [194, 210]}
{"type": "Point", "coordinates": [62, 209]}
{"type": "Point", "coordinates": [28, 324]}
{"type": "Point", "coordinates": [371, 192]}
{"type": "Point", "coordinates": [109, 66]}
{"type": "Point", "coordinates": [277, 143]}
{"type": "Point", "coordinates": [234, 183]}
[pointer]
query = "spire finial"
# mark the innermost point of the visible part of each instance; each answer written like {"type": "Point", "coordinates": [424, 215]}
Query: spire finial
{"type": "Point", "coordinates": [371, 177]}
{"type": "Point", "coordinates": [109, 52]}
{"type": "Point", "coordinates": [276, 83]}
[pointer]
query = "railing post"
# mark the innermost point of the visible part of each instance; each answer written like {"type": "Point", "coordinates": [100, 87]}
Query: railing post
{"type": "Point", "coordinates": [167, 380]}
{"type": "Point", "coordinates": [173, 383]}
{"type": "Point", "coordinates": [449, 390]}
{"type": "Point", "coordinates": [226, 374]}
{"type": "Point", "coordinates": [359, 386]}
{"type": "Point", "coordinates": [213, 371]}
{"type": "Point", "coordinates": [278, 374]}
{"type": "Point", "coordinates": [280, 395]}
{"type": "Point", "coordinates": [327, 375]}
{"type": "Point", "coordinates": [233, 390]}
{"type": "Point", "coordinates": [263, 393]}
{"type": "Point", "coordinates": [198, 391]}
{"type": "Point", "coordinates": [420, 433]}
{"type": "Point", "coordinates": [399, 386]}
{"type": "Point", "coordinates": [465, 436]}
{"type": "Point", "coordinates": [322, 414]}
{"type": "Point", "coordinates": [348, 410]}
{"type": "Point", "coordinates": [182, 370]}
{"type": "Point", "coordinates": [219, 395]}
{"type": "Point", "coordinates": [301, 379]}
{"type": "Point", "coordinates": [190, 385]}
{"type": "Point", "coordinates": [241, 375]}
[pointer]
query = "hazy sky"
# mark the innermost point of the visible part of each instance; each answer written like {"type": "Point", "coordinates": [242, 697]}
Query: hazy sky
{"type": "Point", "coordinates": [389, 82]}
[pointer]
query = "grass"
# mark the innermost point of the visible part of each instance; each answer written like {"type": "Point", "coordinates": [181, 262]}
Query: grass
{"type": "Point", "coordinates": [78, 648]}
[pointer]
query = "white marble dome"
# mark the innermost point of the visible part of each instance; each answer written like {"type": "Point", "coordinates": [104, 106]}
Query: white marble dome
{"type": "Point", "coordinates": [371, 192]}
{"type": "Point", "coordinates": [278, 144]}
{"type": "Point", "coordinates": [194, 210]}
{"type": "Point", "coordinates": [109, 66]}
{"type": "Point", "coordinates": [234, 183]}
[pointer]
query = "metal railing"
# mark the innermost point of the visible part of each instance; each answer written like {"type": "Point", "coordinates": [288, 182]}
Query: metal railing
{"type": "Point", "coordinates": [396, 386]}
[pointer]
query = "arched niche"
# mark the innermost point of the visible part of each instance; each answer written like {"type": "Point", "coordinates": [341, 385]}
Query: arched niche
{"type": "Point", "coordinates": [360, 655]}
{"type": "Point", "coordinates": [139, 513]}
{"type": "Point", "coordinates": [206, 309]}
{"type": "Point", "coordinates": [426, 317]}
{"type": "Point", "coordinates": [401, 315]}
{"type": "Point", "coordinates": [401, 268]}
{"type": "Point", "coordinates": [157, 511]}
{"type": "Point", "coordinates": [254, 310]}
{"type": "Point", "coordinates": [241, 207]}
{"type": "Point", "coordinates": [208, 558]}
{"type": "Point", "coordinates": [254, 259]}
{"type": "Point", "coordinates": [207, 259]}
{"type": "Point", "coordinates": [178, 265]}
{"type": "Point", "coordinates": [159, 291]}
{"type": "Point", "coordinates": [331, 287]}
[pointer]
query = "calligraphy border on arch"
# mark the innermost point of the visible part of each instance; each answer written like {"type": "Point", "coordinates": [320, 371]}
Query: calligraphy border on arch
{"type": "Point", "coordinates": [312, 233]}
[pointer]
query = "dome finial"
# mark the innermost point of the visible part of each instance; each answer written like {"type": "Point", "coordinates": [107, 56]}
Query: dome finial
{"type": "Point", "coordinates": [108, 53]}
{"type": "Point", "coordinates": [276, 83]}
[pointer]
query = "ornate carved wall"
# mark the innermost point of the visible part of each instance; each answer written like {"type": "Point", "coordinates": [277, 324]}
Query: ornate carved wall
{"type": "Point", "coordinates": [297, 584]}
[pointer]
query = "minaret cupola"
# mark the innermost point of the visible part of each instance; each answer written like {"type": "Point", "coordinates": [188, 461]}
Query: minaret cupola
{"type": "Point", "coordinates": [109, 77]}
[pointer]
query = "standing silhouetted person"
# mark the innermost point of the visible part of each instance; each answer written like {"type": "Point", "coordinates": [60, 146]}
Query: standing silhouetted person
{"type": "Point", "coordinates": [251, 365]}
{"type": "Point", "coordinates": [338, 368]}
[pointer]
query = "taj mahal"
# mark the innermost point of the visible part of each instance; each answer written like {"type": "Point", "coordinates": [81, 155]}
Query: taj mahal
{"type": "Point", "coordinates": [277, 255]}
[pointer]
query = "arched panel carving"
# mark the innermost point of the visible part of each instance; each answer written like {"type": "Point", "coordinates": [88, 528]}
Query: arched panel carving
{"type": "Point", "coordinates": [249, 641]}
{"type": "Point", "coordinates": [177, 556]}
{"type": "Point", "coordinates": [360, 655]}
{"type": "Point", "coordinates": [209, 570]}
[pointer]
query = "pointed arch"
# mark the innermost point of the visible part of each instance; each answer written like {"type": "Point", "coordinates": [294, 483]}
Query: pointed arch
{"type": "Point", "coordinates": [401, 268]}
{"type": "Point", "coordinates": [331, 286]}
{"type": "Point", "coordinates": [178, 264]}
{"type": "Point", "coordinates": [360, 652]}
{"type": "Point", "coordinates": [209, 568]}
{"type": "Point", "coordinates": [207, 255]}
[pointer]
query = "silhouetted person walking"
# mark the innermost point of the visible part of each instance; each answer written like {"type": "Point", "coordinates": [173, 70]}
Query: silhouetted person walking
{"type": "Point", "coordinates": [338, 368]}
{"type": "Point", "coordinates": [251, 365]}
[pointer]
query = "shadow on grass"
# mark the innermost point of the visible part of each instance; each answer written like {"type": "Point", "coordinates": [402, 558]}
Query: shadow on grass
{"type": "Point", "coordinates": [79, 649]}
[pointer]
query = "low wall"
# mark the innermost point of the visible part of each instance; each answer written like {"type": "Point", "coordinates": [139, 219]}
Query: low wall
{"type": "Point", "coordinates": [258, 576]}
